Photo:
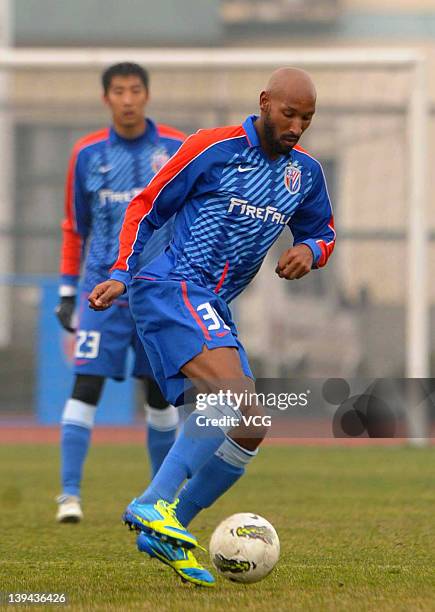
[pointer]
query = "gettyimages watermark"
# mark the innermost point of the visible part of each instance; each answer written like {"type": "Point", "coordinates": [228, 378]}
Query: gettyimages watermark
{"type": "Point", "coordinates": [281, 401]}
{"type": "Point", "coordinates": [315, 408]}
{"type": "Point", "coordinates": [241, 404]}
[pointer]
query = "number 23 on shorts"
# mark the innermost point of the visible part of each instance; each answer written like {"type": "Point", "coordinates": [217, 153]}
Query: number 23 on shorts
{"type": "Point", "coordinates": [88, 344]}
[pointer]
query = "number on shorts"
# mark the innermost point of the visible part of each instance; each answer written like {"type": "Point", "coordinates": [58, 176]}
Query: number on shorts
{"type": "Point", "coordinates": [88, 344]}
{"type": "Point", "coordinates": [211, 314]}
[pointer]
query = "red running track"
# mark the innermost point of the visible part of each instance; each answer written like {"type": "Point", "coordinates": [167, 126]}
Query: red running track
{"type": "Point", "coordinates": [291, 435]}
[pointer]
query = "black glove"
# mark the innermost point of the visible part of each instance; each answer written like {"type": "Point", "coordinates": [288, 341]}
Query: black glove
{"type": "Point", "coordinates": [64, 312]}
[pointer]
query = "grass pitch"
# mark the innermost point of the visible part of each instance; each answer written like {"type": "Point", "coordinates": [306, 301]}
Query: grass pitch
{"type": "Point", "coordinates": [357, 531]}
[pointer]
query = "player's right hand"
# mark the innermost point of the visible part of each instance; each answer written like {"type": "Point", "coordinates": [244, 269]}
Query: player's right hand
{"type": "Point", "coordinates": [104, 294]}
{"type": "Point", "coordinates": [64, 311]}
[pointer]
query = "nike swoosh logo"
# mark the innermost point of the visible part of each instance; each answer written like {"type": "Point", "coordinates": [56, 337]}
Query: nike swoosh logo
{"type": "Point", "coordinates": [104, 169]}
{"type": "Point", "coordinates": [222, 334]}
{"type": "Point", "coordinates": [246, 168]}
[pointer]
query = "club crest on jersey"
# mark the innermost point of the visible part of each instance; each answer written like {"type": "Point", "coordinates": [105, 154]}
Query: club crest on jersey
{"type": "Point", "coordinates": [158, 160]}
{"type": "Point", "coordinates": [292, 179]}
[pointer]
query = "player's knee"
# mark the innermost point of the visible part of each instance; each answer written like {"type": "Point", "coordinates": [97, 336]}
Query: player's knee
{"type": "Point", "coordinates": [255, 424]}
{"type": "Point", "coordinates": [88, 388]}
{"type": "Point", "coordinates": [154, 396]}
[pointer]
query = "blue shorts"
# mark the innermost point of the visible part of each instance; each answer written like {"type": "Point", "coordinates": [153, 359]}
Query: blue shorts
{"type": "Point", "coordinates": [103, 340]}
{"type": "Point", "coordinates": [174, 320]}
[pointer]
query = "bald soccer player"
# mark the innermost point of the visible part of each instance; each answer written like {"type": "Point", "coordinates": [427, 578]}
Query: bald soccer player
{"type": "Point", "coordinates": [234, 190]}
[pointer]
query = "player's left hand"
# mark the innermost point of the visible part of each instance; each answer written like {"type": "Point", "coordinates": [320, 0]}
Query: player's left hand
{"type": "Point", "coordinates": [295, 262]}
{"type": "Point", "coordinates": [64, 311]}
{"type": "Point", "coordinates": [103, 295]}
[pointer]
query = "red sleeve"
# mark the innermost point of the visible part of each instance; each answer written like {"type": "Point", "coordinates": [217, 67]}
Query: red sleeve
{"type": "Point", "coordinates": [76, 220]}
{"type": "Point", "coordinates": [72, 241]}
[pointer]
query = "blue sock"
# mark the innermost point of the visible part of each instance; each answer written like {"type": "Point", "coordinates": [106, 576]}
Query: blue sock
{"type": "Point", "coordinates": [159, 443]}
{"type": "Point", "coordinates": [194, 446]}
{"type": "Point", "coordinates": [219, 474]}
{"type": "Point", "coordinates": [74, 448]}
{"type": "Point", "coordinates": [213, 479]}
{"type": "Point", "coordinates": [77, 423]}
{"type": "Point", "coordinates": [162, 430]}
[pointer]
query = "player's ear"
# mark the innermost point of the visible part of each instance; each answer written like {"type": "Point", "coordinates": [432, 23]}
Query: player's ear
{"type": "Point", "coordinates": [264, 101]}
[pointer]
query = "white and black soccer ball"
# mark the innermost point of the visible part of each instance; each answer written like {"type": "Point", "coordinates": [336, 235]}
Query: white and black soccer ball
{"type": "Point", "coordinates": [244, 547]}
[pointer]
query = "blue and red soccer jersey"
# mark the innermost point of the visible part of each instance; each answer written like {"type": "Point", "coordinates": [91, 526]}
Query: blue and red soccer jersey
{"type": "Point", "coordinates": [105, 172]}
{"type": "Point", "coordinates": [231, 204]}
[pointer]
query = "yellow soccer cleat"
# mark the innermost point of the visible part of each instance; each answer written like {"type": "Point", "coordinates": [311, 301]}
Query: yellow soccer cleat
{"type": "Point", "coordinates": [182, 561]}
{"type": "Point", "coordinates": [159, 520]}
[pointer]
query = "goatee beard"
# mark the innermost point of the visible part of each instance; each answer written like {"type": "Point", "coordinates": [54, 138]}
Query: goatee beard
{"type": "Point", "coordinates": [269, 136]}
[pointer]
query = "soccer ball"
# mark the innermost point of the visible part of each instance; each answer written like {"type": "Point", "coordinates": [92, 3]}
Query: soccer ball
{"type": "Point", "coordinates": [244, 547]}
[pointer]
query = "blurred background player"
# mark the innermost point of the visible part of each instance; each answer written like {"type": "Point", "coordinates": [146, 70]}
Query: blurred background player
{"type": "Point", "coordinates": [107, 169]}
{"type": "Point", "coordinates": [235, 189]}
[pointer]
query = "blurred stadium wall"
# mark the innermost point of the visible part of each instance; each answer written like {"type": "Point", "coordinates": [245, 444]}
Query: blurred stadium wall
{"type": "Point", "coordinates": [344, 321]}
